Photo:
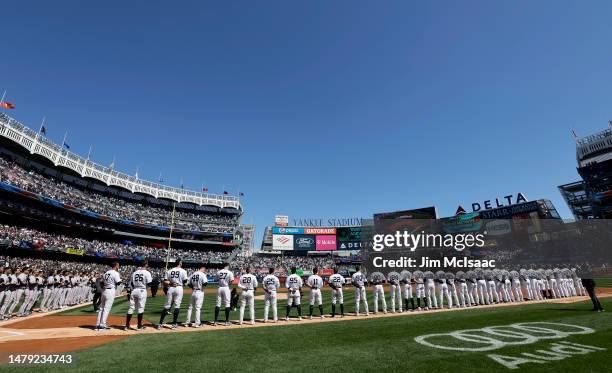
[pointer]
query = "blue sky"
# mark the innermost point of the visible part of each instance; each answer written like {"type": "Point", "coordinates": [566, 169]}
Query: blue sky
{"type": "Point", "coordinates": [319, 108]}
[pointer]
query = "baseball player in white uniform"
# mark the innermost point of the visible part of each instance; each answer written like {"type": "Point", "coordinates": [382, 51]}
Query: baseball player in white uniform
{"type": "Point", "coordinates": [396, 291]}
{"type": "Point", "coordinates": [406, 281]}
{"type": "Point", "coordinates": [294, 285]}
{"type": "Point", "coordinates": [4, 286]}
{"type": "Point", "coordinates": [22, 281]}
{"type": "Point", "coordinates": [225, 278]}
{"type": "Point", "coordinates": [140, 279]}
{"type": "Point", "coordinates": [176, 278]}
{"type": "Point", "coordinates": [430, 291]}
{"type": "Point", "coordinates": [359, 281]}
{"type": "Point", "coordinates": [9, 293]}
{"type": "Point", "coordinates": [315, 283]}
{"type": "Point", "coordinates": [197, 282]}
{"type": "Point", "coordinates": [271, 284]}
{"type": "Point", "coordinates": [379, 291]}
{"type": "Point", "coordinates": [419, 289]}
{"type": "Point", "coordinates": [110, 281]}
{"type": "Point", "coordinates": [336, 281]}
{"type": "Point", "coordinates": [247, 284]}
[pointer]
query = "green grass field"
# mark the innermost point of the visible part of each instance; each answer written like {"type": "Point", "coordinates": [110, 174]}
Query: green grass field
{"type": "Point", "coordinates": [362, 345]}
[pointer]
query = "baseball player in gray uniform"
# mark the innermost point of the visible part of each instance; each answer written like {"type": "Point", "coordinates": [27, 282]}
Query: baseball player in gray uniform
{"type": "Point", "coordinates": [315, 283]}
{"type": "Point", "coordinates": [111, 279]}
{"type": "Point", "coordinates": [224, 278]}
{"type": "Point", "coordinates": [197, 282]}
{"type": "Point", "coordinates": [176, 278]}
{"type": "Point", "coordinates": [247, 284]}
{"type": "Point", "coordinates": [335, 282]}
{"type": "Point", "coordinates": [270, 285]}
{"type": "Point", "coordinates": [359, 281]}
{"type": "Point", "coordinates": [140, 279]}
{"type": "Point", "coordinates": [294, 285]}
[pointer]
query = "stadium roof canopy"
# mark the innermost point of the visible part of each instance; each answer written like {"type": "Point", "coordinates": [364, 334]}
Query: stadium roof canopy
{"type": "Point", "coordinates": [35, 143]}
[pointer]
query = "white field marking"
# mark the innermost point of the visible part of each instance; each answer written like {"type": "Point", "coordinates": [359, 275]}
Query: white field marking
{"type": "Point", "coordinates": [557, 351]}
{"type": "Point", "coordinates": [485, 338]}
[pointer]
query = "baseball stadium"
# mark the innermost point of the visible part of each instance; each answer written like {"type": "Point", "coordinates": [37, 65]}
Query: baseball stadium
{"type": "Point", "coordinates": [365, 134]}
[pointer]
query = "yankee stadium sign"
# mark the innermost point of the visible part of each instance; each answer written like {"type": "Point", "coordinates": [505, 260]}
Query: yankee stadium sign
{"type": "Point", "coordinates": [331, 222]}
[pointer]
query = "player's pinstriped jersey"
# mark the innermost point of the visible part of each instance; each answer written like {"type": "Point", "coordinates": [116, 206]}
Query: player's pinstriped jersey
{"type": "Point", "coordinates": [140, 279]}
{"type": "Point", "coordinates": [4, 279]}
{"type": "Point", "coordinates": [359, 279]}
{"type": "Point", "coordinates": [337, 280]}
{"type": "Point", "coordinates": [294, 282]}
{"type": "Point", "coordinates": [271, 283]}
{"type": "Point", "coordinates": [315, 281]}
{"type": "Point", "coordinates": [197, 280]}
{"type": "Point", "coordinates": [111, 279]}
{"type": "Point", "coordinates": [248, 282]}
{"type": "Point", "coordinates": [394, 278]}
{"type": "Point", "coordinates": [225, 278]}
{"type": "Point", "coordinates": [177, 276]}
{"type": "Point", "coordinates": [22, 278]}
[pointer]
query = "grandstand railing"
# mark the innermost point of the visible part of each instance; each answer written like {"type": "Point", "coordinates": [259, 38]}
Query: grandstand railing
{"type": "Point", "coordinates": [35, 143]}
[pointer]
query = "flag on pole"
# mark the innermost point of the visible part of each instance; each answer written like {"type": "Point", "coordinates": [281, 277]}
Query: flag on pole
{"type": "Point", "coordinates": [42, 130]}
{"type": "Point", "coordinates": [225, 192]}
{"type": "Point", "coordinates": [205, 189]}
{"type": "Point", "coordinates": [65, 143]}
{"type": "Point", "coordinates": [7, 105]}
{"type": "Point", "coordinates": [574, 135]}
{"type": "Point", "coordinates": [241, 194]}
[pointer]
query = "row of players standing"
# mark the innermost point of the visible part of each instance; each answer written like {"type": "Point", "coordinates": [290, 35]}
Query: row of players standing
{"type": "Point", "coordinates": [472, 290]}
{"type": "Point", "coordinates": [176, 278]}
{"type": "Point", "coordinates": [26, 286]}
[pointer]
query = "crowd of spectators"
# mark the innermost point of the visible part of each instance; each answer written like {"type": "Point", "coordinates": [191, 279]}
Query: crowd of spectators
{"type": "Point", "coordinates": [36, 182]}
{"type": "Point", "coordinates": [259, 261]}
{"type": "Point", "coordinates": [31, 238]}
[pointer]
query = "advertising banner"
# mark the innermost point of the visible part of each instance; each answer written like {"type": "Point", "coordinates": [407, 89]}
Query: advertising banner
{"type": "Point", "coordinates": [462, 223]}
{"type": "Point", "coordinates": [322, 231]}
{"type": "Point", "coordinates": [327, 272]}
{"type": "Point", "coordinates": [498, 227]}
{"type": "Point", "coordinates": [281, 220]}
{"type": "Point", "coordinates": [346, 234]}
{"type": "Point", "coordinates": [509, 211]}
{"type": "Point", "coordinates": [282, 242]}
{"type": "Point", "coordinates": [287, 230]}
{"type": "Point", "coordinates": [304, 242]}
{"type": "Point", "coordinates": [351, 245]}
{"type": "Point", "coordinates": [326, 242]}
{"type": "Point", "coordinates": [74, 251]}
